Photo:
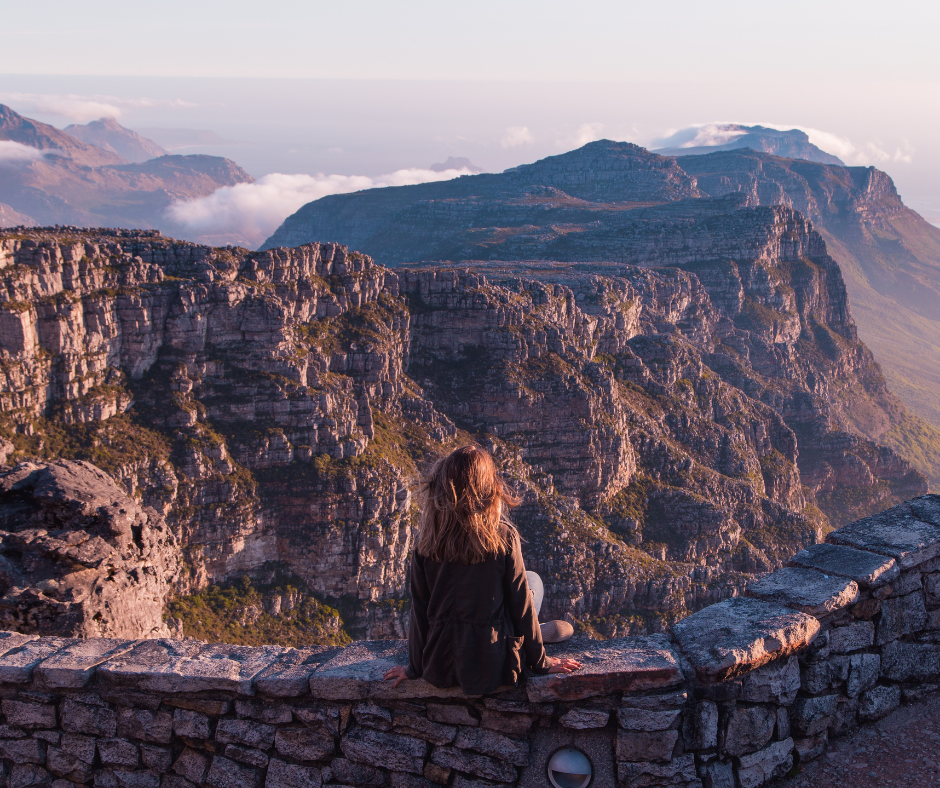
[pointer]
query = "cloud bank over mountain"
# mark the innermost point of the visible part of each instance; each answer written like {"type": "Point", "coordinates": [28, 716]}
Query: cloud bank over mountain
{"type": "Point", "coordinates": [252, 211]}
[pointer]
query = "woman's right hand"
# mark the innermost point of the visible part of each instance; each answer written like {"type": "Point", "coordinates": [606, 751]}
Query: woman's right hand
{"type": "Point", "coordinates": [556, 665]}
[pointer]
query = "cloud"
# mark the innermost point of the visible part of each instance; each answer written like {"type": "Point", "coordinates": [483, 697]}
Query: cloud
{"type": "Point", "coordinates": [252, 211]}
{"type": "Point", "coordinates": [517, 135]}
{"type": "Point", "coordinates": [588, 132]}
{"type": "Point", "coordinates": [82, 109]}
{"type": "Point", "coordinates": [15, 152]}
{"type": "Point", "coordinates": [721, 133]}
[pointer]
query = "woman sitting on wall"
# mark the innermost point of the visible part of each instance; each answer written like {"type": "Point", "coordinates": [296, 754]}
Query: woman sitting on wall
{"type": "Point", "coordinates": [474, 620]}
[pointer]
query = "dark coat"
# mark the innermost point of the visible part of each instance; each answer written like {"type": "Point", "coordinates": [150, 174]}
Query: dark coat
{"type": "Point", "coordinates": [473, 625]}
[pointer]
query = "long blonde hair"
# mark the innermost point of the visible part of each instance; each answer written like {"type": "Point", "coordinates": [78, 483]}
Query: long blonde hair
{"type": "Point", "coordinates": [464, 508]}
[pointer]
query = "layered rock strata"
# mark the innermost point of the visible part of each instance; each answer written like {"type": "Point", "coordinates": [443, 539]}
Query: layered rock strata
{"type": "Point", "coordinates": [669, 431]}
{"type": "Point", "coordinates": [735, 695]}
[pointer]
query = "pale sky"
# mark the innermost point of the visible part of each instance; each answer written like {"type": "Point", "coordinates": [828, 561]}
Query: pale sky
{"type": "Point", "coordinates": [361, 88]}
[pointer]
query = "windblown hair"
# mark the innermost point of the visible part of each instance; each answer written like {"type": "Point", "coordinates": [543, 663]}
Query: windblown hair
{"type": "Point", "coordinates": [464, 509]}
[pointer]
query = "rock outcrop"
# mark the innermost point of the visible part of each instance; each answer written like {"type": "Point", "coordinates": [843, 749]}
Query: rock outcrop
{"type": "Point", "coordinates": [79, 556]}
{"type": "Point", "coordinates": [670, 431]}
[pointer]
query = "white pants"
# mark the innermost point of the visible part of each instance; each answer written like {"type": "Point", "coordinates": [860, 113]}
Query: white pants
{"type": "Point", "coordinates": [537, 590]}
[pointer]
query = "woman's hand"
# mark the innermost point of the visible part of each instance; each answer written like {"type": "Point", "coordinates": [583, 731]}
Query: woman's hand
{"type": "Point", "coordinates": [398, 673]}
{"type": "Point", "coordinates": [556, 665]}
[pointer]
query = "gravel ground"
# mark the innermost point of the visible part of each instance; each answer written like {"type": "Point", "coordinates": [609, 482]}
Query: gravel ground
{"type": "Point", "coordinates": [903, 749]}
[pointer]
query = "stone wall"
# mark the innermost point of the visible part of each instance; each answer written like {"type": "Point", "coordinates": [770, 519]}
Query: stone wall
{"type": "Point", "coordinates": [733, 696]}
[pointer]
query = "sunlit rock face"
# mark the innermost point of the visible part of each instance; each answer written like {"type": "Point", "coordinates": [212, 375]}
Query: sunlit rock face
{"type": "Point", "coordinates": [668, 430]}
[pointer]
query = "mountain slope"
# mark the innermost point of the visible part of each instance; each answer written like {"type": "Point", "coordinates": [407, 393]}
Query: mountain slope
{"type": "Point", "coordinates": [649, 213]}
{"type": "Point", "coordinates": [110, 135]}
{"type": "Point", "coordinates": [76, 183]}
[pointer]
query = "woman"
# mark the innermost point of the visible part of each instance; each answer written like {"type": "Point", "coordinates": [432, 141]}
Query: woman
{"type": "Point", "coordinates": [473, 622]}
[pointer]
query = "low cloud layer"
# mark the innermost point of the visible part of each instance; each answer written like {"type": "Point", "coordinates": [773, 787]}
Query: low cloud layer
{"type": "Point", "coordinates": [721, 133]}
{"type": "Point", "coordinates": [516, 136]}
{"type": "Point", "coordinates": [249, 212]}
{"type": "Point", "coordinates": [82, 109]}
{"type": "Point", "coordinates": [15, 152]}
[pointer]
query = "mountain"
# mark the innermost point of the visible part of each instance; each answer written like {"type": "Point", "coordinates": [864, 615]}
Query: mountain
{"type": "Point", "coordinates": [109, 135]}
{"type": "Point", "coordinates": [456, 163]}
{"type": "Point", "coordinates": [616, 202]}
{"type": "Point", "coordinates": [670, 430]}
{"type": "Point", "coordinates": [790, 144]}
{"type": "Point", "coordinates": [11, 218]}
{"type": "Point", "coordinates": [55, 143]}
{"type": "Point", "coordinates": [76, 183]}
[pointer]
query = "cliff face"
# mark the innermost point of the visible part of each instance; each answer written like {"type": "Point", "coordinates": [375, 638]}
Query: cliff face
{"type": "Point", "coordinates": [615, 202]}
{"type": "Point", "coordinates": [669, 430]}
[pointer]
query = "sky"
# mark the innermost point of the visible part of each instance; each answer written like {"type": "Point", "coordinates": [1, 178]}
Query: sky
{"type": "Point", "coordinates": [320, 94]}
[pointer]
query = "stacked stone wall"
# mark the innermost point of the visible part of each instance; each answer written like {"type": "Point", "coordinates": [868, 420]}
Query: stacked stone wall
{"type": "Point", "coordinates": [733, 697]}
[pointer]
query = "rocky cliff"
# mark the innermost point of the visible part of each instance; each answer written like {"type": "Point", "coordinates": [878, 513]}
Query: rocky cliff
{"type": "Point", "coordinates": [611, 201]}
{"type": "Point", "coordinates": [669, 430]}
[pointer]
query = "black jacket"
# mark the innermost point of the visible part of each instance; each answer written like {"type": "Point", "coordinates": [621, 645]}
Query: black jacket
{"type": "Point", "coordinates": [473, 625]}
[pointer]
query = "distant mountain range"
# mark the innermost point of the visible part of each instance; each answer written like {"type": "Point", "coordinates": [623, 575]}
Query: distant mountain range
{"type": "Point", "coordinates": [790, 144]}
{"type": "Point", "coordinates": [99, 174]}
{"type": "Point", "coordinates": [617, 202]}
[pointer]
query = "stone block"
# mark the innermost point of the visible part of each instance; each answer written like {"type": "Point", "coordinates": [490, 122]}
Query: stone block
{"type": "Point", "coordinates": [192, 765]}
{"type": "Point", "coordinates": [810, 748]}
{"type": "Point", "coordinates": [932, 589]}
{"type": "Point", "coordinates": [289, 675]}
{"type": "Point", "coordinates": [72, 666]}
{"type": "Point", "coordinates": [782, 729]}
{"type": "Point", "coordinates": [185, 666]}
{"type": "Point", "coordinates": [13, 640]}
{"type": "Point", "coordinates": [926, 508]}
{"type": "Point", "coordinates": [264, 711]}
{"type": "Point", "coordinates": [92, 720]}
{"type": "Point", "coordinates": [646, 745]}
{"type": "Point", "coordinates": [191, 724]}
{"type": "Point", "coordinates": [331, 719]}
{"type": "Point", "coordinates": [124, 778]}
{"type": "Point", "coordinates": [733, 637]}
{"type": "Point", "coordinates": [718, 774]}
{"type": "Point", "coordinates": [806, 590]}
{"type": "Point", "coordinates": [17, 664]}
{"type": "Point", "coordinates": [760, 767]}
{"type": "Point", "coordinates": [631, 664]}
{"type": "Point", "coordinates": [157, 758]}
{"type": "Point", "coordinates": [863, 673]}
{"type": "Point", "coordinates": [512, 724]}
{"type": "Point", "coordinates": [845, 719]}
{"type": "Point", "coordinates": [896, 533]}
{"type": "Point", "coordinates": [865, 568]}
{"type": "Point", "coordinates": [907, 583]}
{"type": "Point", "coordinates": [746, 729]}
{"type": "Point", "coordinates": [373, 716]}
{"type": "Point", "coordinates": [66, 765]}
{"type": "Point", "coordinates": [878, 702]}
{"type": "Point", "coordinates": [853, 637]}
{"type": "Point", "coordinates": [82, 747]}
{"type": "Point", "coordinates": [700, 726]}
{"type": "Point", "coordinates": [900, 616]}
{"type": "Point", "coordinates": [226, 773]}
{"type": "Point", "coordinates": [403, 780]}
{"type": "Point", "coordinates": [810, 716]}
{"type": "Point", "coordinates": [345, 771]}
{"type": "Point", "coordinates": [472, 763]}
{"type": "Point", "coordinates": [494, 745]}
{"type": "Point", "coordinates": [867, 609]}
{"type": "Point", "coordinates": [249, 733]}
{"type": "Point", "coordinates": [645, 720]}
{"type": "Point", "coordinates": [436, 774]}
{"type": "Point", "coordinates": [28, 775]}
{"type": "Point", "coordinates": [291, 775]}
{"type": "Point", "coordinates": [422, 728]}
{"type": "Point", "coordinates": [118, 752]}
{"type": "Point", "coordinates": [301, 744]}
{"type": "Point", "coordinates": [23, 750]}
{"type": "Point", "coordinates": [679, 771]}
{"type": "Point", "coordinates": [150, 726]}
{"type": "Point", "coordinates": [775, 682]}
{"type": "Point", "coordinates": [659, 701]}
{"type": "Point", "coordinates": [456, 714]}
{"type": "Point", "coordinates": [816, 678]}
{"type": "Point", "coordinates": [910, 662]}
{"type": "Point", "coordinates": [247, 756]}
{"type": "Point", "coordinates": [29, 715]}
{"type": "Point", "coordinates": [355, 673]}
{"type": "Point", "coordinates": [385, 750]}
{"type": "Point", "coordinates": [583, 719]}
{"type": "Point", "coordinates": [211, 706]}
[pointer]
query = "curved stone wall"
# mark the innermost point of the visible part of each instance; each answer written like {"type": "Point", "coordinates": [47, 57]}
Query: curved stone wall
{"type": "Point", "coordinates": [734, 696]}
